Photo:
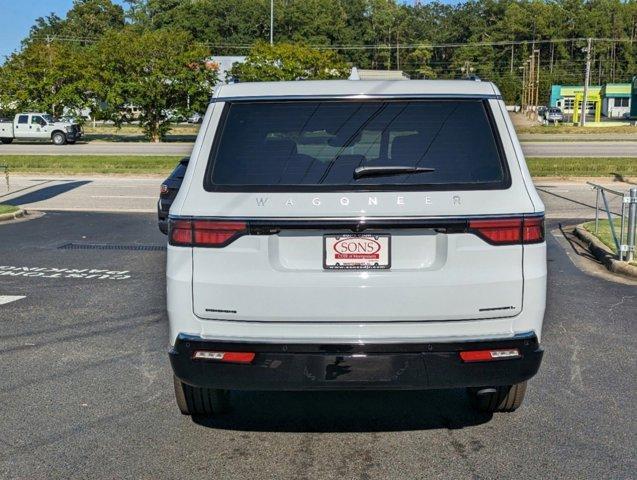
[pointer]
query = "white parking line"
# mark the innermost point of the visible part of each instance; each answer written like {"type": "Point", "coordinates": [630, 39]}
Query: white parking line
{"type": "Point", "coordinates": [10, 298]}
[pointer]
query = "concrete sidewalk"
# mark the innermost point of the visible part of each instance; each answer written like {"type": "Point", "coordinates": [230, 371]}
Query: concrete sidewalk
{"type": "Point", "coordinates": [563, 198]}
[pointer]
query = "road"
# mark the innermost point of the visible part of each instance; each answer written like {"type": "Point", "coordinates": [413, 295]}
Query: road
{"type": "Point", "coordinates": [86, 385]}
{"type": "Point", "coordinates": [531, 149]}
{"type": "Point", "coordinates": [572, 199]}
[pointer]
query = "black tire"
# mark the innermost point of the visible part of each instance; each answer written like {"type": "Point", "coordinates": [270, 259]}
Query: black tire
{"type": "Point", "coordinates": [198, 401]}
{"type": "Point", "coordinates": [58, 138]}
{"type": "Point", "coordinates": [6, 141]}
{"type": "Point", "coordinates": [506, 398]}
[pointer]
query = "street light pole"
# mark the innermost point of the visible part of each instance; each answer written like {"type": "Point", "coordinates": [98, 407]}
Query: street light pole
{"type": "Point", "coordinates": [271, 22]}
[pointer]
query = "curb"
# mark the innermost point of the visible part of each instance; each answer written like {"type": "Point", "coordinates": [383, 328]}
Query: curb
{"type": "Point", "coordinates": [603, 254]}
{"type": "Point", "coordinates": [5, 217]}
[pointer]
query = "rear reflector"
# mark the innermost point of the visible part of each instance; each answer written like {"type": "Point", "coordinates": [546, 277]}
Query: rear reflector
{"type": "Point", "coordinates": [228, 357]}
{"type": "Point", "coordinates": [489, 355]}
{"type": "Point", "coordinates": [509, 231]}
{"type": "Point", "coordinates": [205, 233]}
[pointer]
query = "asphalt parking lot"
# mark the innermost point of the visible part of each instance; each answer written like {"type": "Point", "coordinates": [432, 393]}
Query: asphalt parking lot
{"type": "Point", "coordinates": [86, 387]}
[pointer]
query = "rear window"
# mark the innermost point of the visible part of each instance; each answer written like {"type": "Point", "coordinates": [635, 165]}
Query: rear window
{"type": "Point", "coordinates": [317, 145]}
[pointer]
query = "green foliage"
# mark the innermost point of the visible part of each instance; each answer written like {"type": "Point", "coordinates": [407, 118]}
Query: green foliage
{"type": "Point", "coordinates": [86, 19]}
{"type": "Point", "coordinates": [286, 61]}
{"type": "Point", "coordinates": [155, 70]}
{"type": "Point", "coordinates": [420, 58]}
{"type": "Point", "coordinates": [44, 76]}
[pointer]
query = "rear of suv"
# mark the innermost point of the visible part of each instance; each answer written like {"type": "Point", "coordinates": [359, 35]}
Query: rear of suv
{"type": "Point", "coordinates": [356, 235]}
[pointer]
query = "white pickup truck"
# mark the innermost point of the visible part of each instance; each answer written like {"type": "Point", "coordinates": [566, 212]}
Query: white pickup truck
{"type": "Point", "coordinates": [38, 126]}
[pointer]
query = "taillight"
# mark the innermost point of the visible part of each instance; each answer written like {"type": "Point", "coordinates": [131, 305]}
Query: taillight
{"type": "Point", "coordinates": [533, 230]}
{"type": "Point", "coordinates": [205, 233]}
{"type": "Point", "coordinates": [163, 189]}
{"type": "Point", "coordinates": [509, 231]}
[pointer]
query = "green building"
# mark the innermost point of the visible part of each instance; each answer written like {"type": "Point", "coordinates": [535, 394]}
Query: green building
{"type": "Point", "coordinates": [563, 96]}
{"type": "Point", "coordinates": [616, 98]}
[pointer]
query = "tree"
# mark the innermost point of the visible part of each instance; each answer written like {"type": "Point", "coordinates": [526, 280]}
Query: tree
{"type": "Point", "coordinates": [160, 71]}
{"type": "Point", "coordinates": [87, 19]}
{"type": "Point", "coordinates": [419, 60]}
{"type": "Point", "coordinates": [45, 76]}
{"type": "Point", "coordinates": [285, 61]}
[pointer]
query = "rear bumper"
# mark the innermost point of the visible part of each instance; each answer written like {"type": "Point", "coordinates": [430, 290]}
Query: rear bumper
{"type": "Point", "coordinates": [354, 366]}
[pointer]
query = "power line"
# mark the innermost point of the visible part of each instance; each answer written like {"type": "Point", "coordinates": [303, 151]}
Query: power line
{"type": "Point", "coordinates": [380, 46]}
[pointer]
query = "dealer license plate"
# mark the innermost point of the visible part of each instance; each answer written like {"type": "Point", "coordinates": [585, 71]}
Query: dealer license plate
{"type": "Point", "coordinates": [358, 252]}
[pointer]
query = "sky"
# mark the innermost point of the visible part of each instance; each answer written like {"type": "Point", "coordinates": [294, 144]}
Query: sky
{"type": "Point", "coordinates": [18, 16]}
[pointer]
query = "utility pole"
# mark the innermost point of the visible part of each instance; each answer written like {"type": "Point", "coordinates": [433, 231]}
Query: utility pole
{"type": "Point", "coordinates": [589, 43]}
{"type": "Point", "coordinates": [271, 22]}
{"type": "Point", "coordinates": [531, 81]}
{"type": "Point", "coordinates": [523, 98]}
{"type": "Point", "coordinates": [511, 64]}
{"type": "Point", "coordinates": [536, 80]}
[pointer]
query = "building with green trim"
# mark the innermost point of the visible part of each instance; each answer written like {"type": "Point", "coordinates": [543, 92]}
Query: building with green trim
{"type": "Point", "coordinates": [615, 98]}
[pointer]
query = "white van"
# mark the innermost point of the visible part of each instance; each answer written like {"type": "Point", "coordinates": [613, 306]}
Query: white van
{"type": "Point", "coordinates": [356, 235]}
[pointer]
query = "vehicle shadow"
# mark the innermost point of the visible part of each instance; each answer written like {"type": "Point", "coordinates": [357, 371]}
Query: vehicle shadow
{"type": "Point", "coordinates": [45, 193]}
{"type": "Point", "coordinates": [347, 411]}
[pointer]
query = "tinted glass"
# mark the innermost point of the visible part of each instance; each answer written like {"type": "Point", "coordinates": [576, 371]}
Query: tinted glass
{"type": "Point", "coordinates": [23, 119]}
{"type": "Point", "coordinates": [283, 145]}
{"type": "Point", "coordinates": [179, 171]}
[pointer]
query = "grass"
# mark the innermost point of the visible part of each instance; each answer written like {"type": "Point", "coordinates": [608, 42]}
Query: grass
{"type": "Point", "coordinates": [583, 166]}
{"type": "Point", "coordinates": [604, 233]}
{"type": "Point", "coordinates": [70, 164]}
{"type": "Point", "coordinates": [161, 164]}
{"type": "Point", "coordinates": [134, 133]}
{"type": "Point", "coordinates": [569, 128]}
{"type": "Point", "coordinates": [7, 209]}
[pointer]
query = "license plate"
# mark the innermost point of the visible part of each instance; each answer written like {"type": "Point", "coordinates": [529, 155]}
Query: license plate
{"type": "Point", "coordinates": [358, 252]}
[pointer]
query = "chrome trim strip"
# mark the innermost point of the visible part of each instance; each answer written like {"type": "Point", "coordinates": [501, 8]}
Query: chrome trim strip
{"type": "Point", "coordinates": [417, 96]}
{"type": "Point", "coordinates": [354, 219]}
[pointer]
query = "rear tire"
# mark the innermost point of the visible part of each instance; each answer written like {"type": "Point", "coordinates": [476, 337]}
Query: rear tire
{"type": "Point", "coordinates": [200, 401]}
{"type": "Point", "coordinates": [6, 141]}
{"type": "Point", "coordinates": [58, 138]}
{"type": "Point", "coordinates": [507, 398]}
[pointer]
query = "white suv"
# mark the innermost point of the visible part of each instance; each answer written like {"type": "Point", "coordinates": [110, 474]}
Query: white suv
{"type": "Point", "coordinates": [356, 235]}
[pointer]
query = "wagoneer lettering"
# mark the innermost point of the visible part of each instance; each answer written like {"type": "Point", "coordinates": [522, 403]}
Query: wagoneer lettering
{"type": "Point", "coordinates": [389, 226]}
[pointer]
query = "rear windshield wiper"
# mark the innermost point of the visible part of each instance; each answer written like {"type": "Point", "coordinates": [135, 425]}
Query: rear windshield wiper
{"type": "Point", "coordinates": [361, 172]}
